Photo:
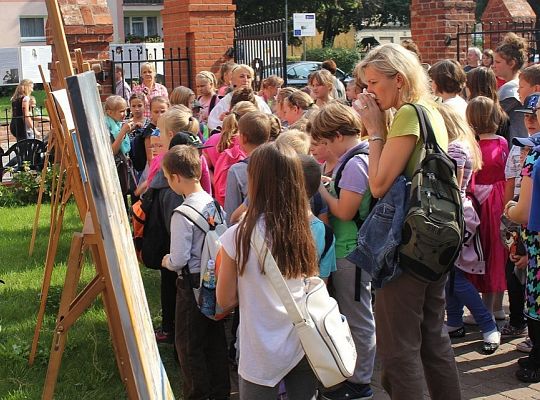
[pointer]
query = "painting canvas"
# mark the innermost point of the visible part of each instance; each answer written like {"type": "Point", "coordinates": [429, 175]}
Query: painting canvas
{"type": "Point", "coordinates": [113, 227]}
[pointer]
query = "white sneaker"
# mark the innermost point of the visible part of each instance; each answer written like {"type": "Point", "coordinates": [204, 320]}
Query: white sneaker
{"type": "Point", "coordinates": [525, 346]}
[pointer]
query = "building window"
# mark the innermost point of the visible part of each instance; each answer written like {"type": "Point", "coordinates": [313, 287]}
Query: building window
{"type": "Point", "coordinates": [141, 26]}
{"type": "Point", "coordinates": [32, 29]}
{"type": "Point", "coordinates": [151, 26]}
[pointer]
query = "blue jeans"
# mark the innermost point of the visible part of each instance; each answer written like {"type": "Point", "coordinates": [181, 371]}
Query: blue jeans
{"type": "Point", "coordinates": [465, 294]}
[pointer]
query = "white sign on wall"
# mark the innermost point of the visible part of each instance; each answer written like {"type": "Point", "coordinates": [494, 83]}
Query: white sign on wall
{"type": "Point", "coordinates": [304, 24]}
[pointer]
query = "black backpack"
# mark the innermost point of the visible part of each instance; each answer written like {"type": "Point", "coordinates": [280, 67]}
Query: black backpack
{"type": "Point", "coordinates": [138, 151]}
{"type": "Point", "coordinates": [434, 227]}
{"type": "Point", "coordinates": [155, 242]}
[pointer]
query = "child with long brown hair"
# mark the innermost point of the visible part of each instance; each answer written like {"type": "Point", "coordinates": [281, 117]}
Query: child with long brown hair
{"type": "Point", "coordinates": [484, 117]}
{"type": "Point", "coordinates": [270, 350]}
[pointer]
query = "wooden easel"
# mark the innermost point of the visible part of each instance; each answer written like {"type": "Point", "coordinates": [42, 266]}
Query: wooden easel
{"type": "Point", "coordinates": [88, 158]}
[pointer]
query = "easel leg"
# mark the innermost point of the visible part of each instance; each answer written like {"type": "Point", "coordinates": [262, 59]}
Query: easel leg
{"type": "Point", "coordinates": [70, 309]}
{"type": "Point", "coordinates": [47, 274]}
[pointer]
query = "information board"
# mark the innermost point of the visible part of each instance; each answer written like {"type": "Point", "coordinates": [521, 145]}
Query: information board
{"type": "Point", "coordinates": [304, 24]}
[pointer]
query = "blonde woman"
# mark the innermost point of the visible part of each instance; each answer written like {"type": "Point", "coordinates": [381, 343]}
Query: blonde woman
{"type": "Point", "coordinates": [149, 87]}
{"type": "Point", "coordinates": [22, 124]}
{"type": "Point", "coordinates": [241, 77]}
{"type": "Point", "coordinates": [409, 313]}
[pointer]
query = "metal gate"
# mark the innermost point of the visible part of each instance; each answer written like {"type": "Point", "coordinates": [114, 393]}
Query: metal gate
{"type": "Point", "coordinates": [488, 36]}
{"type": "Point", "coordinates": [173, 67]}
{"type": "Point", "coordinates": [264, 47]}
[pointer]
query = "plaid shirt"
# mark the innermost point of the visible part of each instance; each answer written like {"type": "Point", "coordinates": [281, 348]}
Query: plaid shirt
{"type": "Point", "coordinates": [149, 94]}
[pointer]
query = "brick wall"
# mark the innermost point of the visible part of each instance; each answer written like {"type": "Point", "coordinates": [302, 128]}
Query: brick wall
{"type": "Point", "coordinates": [499, 13]}
{"type": "Point", "coordinates": [432, 21]}
{"type": "Point", "coordinates": [205, 27]}
{"type": "Point", "coordinates": [88, 26]}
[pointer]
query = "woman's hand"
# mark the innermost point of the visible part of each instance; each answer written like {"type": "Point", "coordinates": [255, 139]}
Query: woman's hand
{"type": "Point", "coordinates": [372, 117]}
{"type": "Point", "coordinates": [509, 205]}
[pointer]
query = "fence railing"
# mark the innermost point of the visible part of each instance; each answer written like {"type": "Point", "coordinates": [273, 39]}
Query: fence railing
{"type": "Point", "coordinates": [41, 125]}
{"type": "Point", "coordinates": [263, 46]}
{"type": "Point", "coordinates": [173, 66]}
{"type": "Point", "coordinates": [491, 34]}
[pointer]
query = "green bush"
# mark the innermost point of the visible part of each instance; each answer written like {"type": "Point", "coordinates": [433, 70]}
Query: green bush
{"type": "Point", "coordinates": [345, 59]}
{"type": "Point", "coordinates": [24, 187]}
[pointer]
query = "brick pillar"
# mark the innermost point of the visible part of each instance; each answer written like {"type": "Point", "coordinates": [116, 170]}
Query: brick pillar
{"type": "Point", "coordinates": [433, 21]}
{"type": "Point", "coordinates": [502, 14]}
{"type": "Point", "coordinates": [88, 26]}
{"type": "Point", "coordinates": [206, 29]}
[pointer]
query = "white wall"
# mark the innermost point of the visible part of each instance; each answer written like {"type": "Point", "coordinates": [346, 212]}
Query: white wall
{"type": "Point", "coordinates": [9, 20]}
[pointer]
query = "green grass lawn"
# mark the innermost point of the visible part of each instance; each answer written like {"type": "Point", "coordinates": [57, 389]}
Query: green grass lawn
{"type": "Point", "coordinates": [88, 368]}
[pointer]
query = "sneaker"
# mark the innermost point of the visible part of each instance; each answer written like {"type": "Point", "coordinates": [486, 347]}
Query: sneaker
{"type": "Point", "coordinates": [349, 391]}
{"type": "Point", "coordinates": [510, 331]}
{"type": "Point", "coordinates": [164, 337]}
{"type": "Point", "coordinates": [469, 320]}
{"type": "Point", "coordinates": [455, 333]}
{"type": "Point", "coordinates": [491, 342]}
{"type": "Point", "coordinates": [525, 346]}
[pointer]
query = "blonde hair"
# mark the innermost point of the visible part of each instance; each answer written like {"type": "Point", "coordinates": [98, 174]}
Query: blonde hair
{"type": "Point", "coordinates": [150, 66]}
{"type": "Point", "coordinates": [179, 118]}
{"type": "Point", "coordinates": [459, 129]}
{"type": "Point", "coordinates": [23, 89]}
{"type": "Point", "coordinates": [322, 77]}
{"type": "Point", "coordinates": [332, 119]}
{"type": "Point", "coordinates": [297, 139]}
{"type": "Point", "coordinates": [284, 93]}
{"type": "Point", "coordinates": [225, 67]}
{"type": "Point", "coordinates": [114, 103]}
{"type": "Point", "coordinates": [391, 59]}
{"type": "Point", "coordinates": [181, 95]}
{"type": "Point", "coordinates": [242, 67]}
{"type": "Point", "coordinates": [207, 76]}
{"type": "Point", "coordinates": [301, 100]}
{"type": "Point", "coordinates": [230, 123]}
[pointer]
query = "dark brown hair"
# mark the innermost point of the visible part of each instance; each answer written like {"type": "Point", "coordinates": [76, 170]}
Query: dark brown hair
{"type": "Point", "coordinates": [277, 194]}
{"type": "Point", "coordinates": [183, 160]}
{"type": "Point", "coordinates": [531, 75]}
{"type": "Point", "coordinates": [481, 81]}
{"type": "Point", "coordinates": [243, 94]}
{"type": "Point", "coordinates": [329, 65]}
{"type": "Point", "coordinates": [448, 75]}
{"type": "Point", "coordinates": [333, 119]}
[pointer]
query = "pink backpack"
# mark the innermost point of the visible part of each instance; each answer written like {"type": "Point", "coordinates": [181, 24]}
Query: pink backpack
{"type": "Point", "coordinates": [221, 169]}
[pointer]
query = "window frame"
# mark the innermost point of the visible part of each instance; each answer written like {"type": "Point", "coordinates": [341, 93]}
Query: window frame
{"type": "Point", "coordinates": [32, 38]}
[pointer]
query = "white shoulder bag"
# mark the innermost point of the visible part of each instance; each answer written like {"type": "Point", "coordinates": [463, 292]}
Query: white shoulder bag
{"type": "Point", "coordinates": [323, 331]}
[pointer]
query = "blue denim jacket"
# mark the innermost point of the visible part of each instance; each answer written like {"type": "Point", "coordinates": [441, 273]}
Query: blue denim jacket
{"type": "Point", "coordinates": [380, 235]}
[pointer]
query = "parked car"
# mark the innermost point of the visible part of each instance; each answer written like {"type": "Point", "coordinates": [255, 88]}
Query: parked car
{"type": "Point", "coordinates": [298, 73]}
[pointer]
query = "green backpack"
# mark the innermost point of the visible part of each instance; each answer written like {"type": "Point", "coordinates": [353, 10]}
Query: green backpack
{"type": "Point", "coordinates": [433, 229]}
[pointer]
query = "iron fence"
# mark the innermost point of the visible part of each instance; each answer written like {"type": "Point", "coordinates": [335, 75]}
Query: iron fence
{"type": "Point", "coordinates": [264, 47]}
{"type": "Point", "coordinates": [488, 36]}
{"type": "Point", "coordinates": [173, 68]}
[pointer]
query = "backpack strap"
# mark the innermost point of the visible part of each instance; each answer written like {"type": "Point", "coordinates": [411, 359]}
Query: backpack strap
{"type": "Point", "coordinates": [363, 150]}
{"type": "Point", "coordinates": [339, 173]}
{"type": "Point", "coordinates": [197, 218]}
{"type": "Point", "coordinates": [213, 102]}
{"type": "Point", "coordinates": [328, 240]}
{"type": "Point", "coordinates": [426, 130]}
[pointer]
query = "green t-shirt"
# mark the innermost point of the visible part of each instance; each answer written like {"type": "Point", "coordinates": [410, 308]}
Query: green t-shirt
{"type": "Point", "coordinates": [406, 123]}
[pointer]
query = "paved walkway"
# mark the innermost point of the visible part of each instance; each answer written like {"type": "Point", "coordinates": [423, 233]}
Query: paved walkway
{"type": "Point", "coordinates": [481, 376]}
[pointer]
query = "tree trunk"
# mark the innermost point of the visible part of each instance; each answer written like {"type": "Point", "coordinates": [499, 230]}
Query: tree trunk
{"type": "Point", "coordinates": [329, 33]}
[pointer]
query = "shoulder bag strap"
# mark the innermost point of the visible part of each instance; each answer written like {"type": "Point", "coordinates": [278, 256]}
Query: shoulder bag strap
{"type": "Point", "coordinates": [194, 216]}
{"type": "Point", "coordinates": [426, 130]}
{"type": "Point", "coordinates": [274, 276]}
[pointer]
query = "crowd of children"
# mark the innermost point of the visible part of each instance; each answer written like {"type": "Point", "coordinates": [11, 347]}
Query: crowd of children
{"type": "Point", "coordinates": [303, 168]}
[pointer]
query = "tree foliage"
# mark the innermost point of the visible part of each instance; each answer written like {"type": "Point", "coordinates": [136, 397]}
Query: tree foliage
{"type": "Point", "coordinates": [333, 16]}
